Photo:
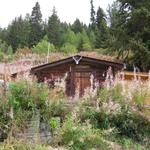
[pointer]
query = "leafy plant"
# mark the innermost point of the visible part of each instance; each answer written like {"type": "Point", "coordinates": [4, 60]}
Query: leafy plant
{"type": "Point", "coordinates": [53, 123]}
{"type": "Point", "coordinates": [43, 46]}
{"type": "Point", "coordinates": [27, 95]}
{"type": "Point", "coordinates": [5, 119]}
{"type": "Point", "coordinates": [132, 125]}
{"type": "Point", "coordinates": [81, 136]}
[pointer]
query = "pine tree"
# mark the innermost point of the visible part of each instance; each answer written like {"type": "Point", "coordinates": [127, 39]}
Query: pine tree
{"type": "Point", "coordinates": [18, 33]}
{"type": "Point", "coordinates": [53, 29]}
{"type": "Point", "coordinates": [36, 25]}
{"type": "Point", "coordinates": [92, 18]}
{"type": "Point", "coordinates": [101, 29]}
{"type": "Point", "coordinates": [113, 15]}
{"type": "Point", "coordinates": [136, 23]}
{"type": "Point", "coordinates": [77, 26]}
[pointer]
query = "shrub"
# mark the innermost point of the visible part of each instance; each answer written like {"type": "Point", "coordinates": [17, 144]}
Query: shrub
{"type": "Point", "coordinates": [132, 125]}
{"type": "Point", "coordinates": [43, 46]}
{"type": "Point", "coordinates": [81, 136]}
{"type": "Point", "coordinates": [27, 95]}
{"type": "Point", "coordinates": [55, 107]}
{"type": "Point", "coordinates": [89, 113]}
{"type": "Point", "coordinates": [100, 119]}
{"type": "Point", "coordinates": [25, 98]}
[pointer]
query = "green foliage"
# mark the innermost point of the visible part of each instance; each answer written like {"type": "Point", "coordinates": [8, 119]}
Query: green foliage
{"type": "Point", "coordinates": [5, 120]}
{"type": "Point", "coordinates": [139, 96]}
{"type": "Point", "coordinates": [88, 126]}
{"type": "Point", "coordinates": [68, 48]}
{"type": "Point", "coordinates": [55, 107]}
{"type": "Point", "coordinates": [92, 38]}
{"type": "Point", "coordinates": [3, 46]}
{"type": "Point", "coordinates": [130, 30]}
{"type": "Point", "coordinates": [98, 119]}
{"type": "Point", "coordinates": [43, 46]}
{"type": "Point", "coordinates": [101, 29]}
{"type": "Point", "coordinates": [116, 93]}
{"type": "Point", "coordinates": [113, 93]}
{"type": "Point", "coordinates": [104, 95]}
{"type": "Point", "coordinates": [1, 55]}
{"type": "Point", "coordinates": [53, 123]}
{"type": "Point", "coordinates": [132, 125]}
{"type": "Point", "coordinates": [10, 50]}
{"type": "Point", "coordinates": [53, 29]}
{"type": "Point", "coordinates": [27, 96]}
{"type": "Point", "coordinates": [77, 26]}
{"type": "Point", "coordinates": [85, 41]}
{"type": "Point", "coordinates": [81, 136]}
{"type": "Point", "coordinates": [70, 37]}
{"type": "Point", "coordinates": [92, 17]}
{"type": "Point", "coordinates": [36, 25]}
{"type": "Point", "coordinates": [128, 143]}
{"type": "Point", "coordinates": [18, 33]}
{"type": "Point", "coordinates": [20, 120]}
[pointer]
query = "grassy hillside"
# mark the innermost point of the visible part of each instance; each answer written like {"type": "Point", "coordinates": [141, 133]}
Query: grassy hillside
{"type": "Point", "coordinates": [113, 117]}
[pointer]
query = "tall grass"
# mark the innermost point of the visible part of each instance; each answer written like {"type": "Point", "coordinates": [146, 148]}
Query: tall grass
{"type": "Point", "coordinates": [115, 113]}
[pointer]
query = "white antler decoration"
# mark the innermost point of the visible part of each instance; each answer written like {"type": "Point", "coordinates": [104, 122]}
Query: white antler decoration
{"type": "Point", "coordinates": [77, 60]}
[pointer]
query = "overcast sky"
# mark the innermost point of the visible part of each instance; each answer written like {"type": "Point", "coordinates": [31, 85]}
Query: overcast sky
{"type": "Point", "coordinates": [67, 10]}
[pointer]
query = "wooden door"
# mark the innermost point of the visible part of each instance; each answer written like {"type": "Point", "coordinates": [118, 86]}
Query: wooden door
{"type": "Point", "coordinates": [82, 81]}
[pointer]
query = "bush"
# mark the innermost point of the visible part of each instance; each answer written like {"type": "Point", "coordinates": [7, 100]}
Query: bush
{"type": "Point", "coordinates": [55, 107]}
{"type": "Point", "coordinates": [116, 113]}
{"type": "Point", "coordinates": [43, 46]}
{"type": "Point", "coordinates": [81, 136]}
{"type": "Point", "coordinates": [27, 95]}
{"type": "Point", "coordinates": [98, 118]}
{"type": "Point", "coordinates": [132, 125]}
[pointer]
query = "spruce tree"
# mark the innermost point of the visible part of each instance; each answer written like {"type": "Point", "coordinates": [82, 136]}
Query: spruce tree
{"type": "Point", "coordinates": [77, 26]}
{"type": "Point", "coordinates": [101, 29]}
{"type": "Point", "coordinates": [53, 29]}
{"type": "Point", "coordinates": [92, 18]}
{"type": "Point", "coordinates": [36, 25]}
{"type": "Point", "coordinates": [18, 33]}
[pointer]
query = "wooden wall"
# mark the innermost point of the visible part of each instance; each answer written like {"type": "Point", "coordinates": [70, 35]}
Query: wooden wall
{"type": "Point", "coordinates": [78, 76]}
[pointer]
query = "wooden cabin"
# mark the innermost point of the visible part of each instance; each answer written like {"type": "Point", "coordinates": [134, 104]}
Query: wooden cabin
{"type": "Point", "coordinates": [79, 70]}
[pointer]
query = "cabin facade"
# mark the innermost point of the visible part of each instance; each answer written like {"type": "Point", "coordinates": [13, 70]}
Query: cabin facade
{"type": "Point", "coordinates": [79, 72]}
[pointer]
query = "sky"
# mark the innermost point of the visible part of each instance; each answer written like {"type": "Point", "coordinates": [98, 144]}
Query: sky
{"type": "Point", "coordinates": [67, 10]}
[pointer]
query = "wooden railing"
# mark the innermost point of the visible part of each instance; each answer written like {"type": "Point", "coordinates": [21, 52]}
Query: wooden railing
{"type": "Point", "coordinates": [139, 75]}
